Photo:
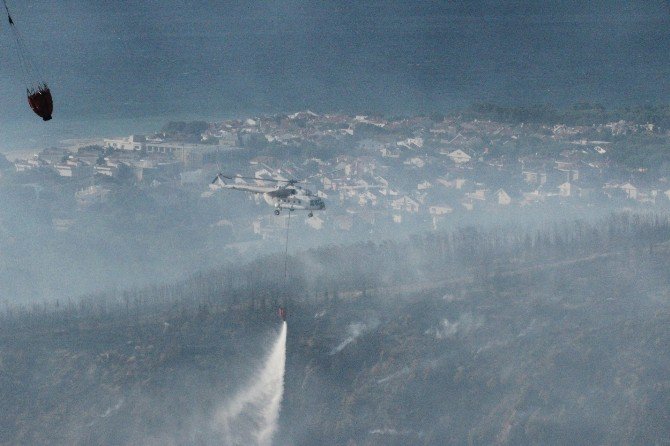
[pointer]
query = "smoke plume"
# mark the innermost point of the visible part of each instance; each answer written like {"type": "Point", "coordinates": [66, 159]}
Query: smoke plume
{"type": "Point", "coordinates": [354, 330]}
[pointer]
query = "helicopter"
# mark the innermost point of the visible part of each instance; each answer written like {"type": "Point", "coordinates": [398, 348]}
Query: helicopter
{"type": "Point", "coordinates": [285, 194]}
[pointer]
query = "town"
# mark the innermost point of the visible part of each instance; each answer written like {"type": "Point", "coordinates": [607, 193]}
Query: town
{"type": "Point", "coordinates": [374, 172]}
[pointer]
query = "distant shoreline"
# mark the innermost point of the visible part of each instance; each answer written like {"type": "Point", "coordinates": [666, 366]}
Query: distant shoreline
{"type": "Point", "coordinates": [70, 134]}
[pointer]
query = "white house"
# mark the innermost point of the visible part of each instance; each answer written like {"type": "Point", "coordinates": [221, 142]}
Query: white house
{"type": "Point", "coordinates": [440, 210]}
{"type": "Point", "coordinates": [459, 157]}
{"type": "Point", "coordinates": [263, 173]}
{"type": "Point", "coordinates": [132, 142]}
{"type": "Point", "coordinates": [649, 197]}
{"type": "Point", "coordinates": [265, 227]}
{"type": "Point", "coordinates": [389, 192]}
{"type": "Point", "coordinates": [533, 177]}
{"type": "Point", "coordinates": [382, 181]}
{"type": "Point", "coordinates": [416, 161]}
{"type": "Point", "coordinates": [22, 166]}
{"type": "Point", "coordinates": [367, 197]}
{"type": "Point", "coordinates": [91, 195]}
{"type": "Point", "coordinates": [565, 189]}
{"type": "Point", "coordinates": [455, 183]}
{"type": "Point", "coordinates": [411, 143]}
{"type": "Point", "coordinates": [73, 168]}
{"type": "Point", "coordinates": [62, 224]}
{"type": "Point", "coordinates": [405, 204]}
{"type": "Point", "coordinates": [328, 183]}
{"type": "Point", "coordinates": [532, 197]}
{"type": "Point", "coordinates": [629, 190]}
{"type": "Point", "coordinates": [106, 170]}
{"type": "Point", "coordinates": [468, 204]}
{"type": "Point", "coordinates": [502, 197]}
{"type": "Point", "coordinates": [390, 153]}
{"type": "Point", "coordinates": [424, 185]}
{"type": "Point", "coordinates": [479, 194]}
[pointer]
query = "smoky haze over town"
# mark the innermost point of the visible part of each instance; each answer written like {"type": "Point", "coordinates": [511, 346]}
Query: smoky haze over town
{"type": "Point", "coordinates": [293, 223]}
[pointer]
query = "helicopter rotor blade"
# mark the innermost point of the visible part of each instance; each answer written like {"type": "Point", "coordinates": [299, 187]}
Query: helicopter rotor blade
{"type": "Point", "coordinates": [254, 178]}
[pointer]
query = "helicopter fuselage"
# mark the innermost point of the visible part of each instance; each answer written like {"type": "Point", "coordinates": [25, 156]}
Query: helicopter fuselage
{"type": "Point", "coordinates": [280, 197]}
{"type": "Point", "coordinates": [295, 202]}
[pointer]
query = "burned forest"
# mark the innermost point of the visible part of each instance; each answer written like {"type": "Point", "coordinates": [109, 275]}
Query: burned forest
{"type": "Point", "coordinates": [514, 335]}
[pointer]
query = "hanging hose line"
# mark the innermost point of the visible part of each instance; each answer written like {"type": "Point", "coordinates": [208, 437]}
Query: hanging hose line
{"type": "Point", "coordinates": [31, 75]}
{"type": "Point", "coordinates": [39, 95]}
{"type": "Point", "coordinates": [288, 225]}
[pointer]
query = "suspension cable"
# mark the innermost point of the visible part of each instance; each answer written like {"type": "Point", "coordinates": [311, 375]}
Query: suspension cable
{"type": "Point", "coordinates": [31, 75]}
{"type": "Point", "coordinates": [288, 225]}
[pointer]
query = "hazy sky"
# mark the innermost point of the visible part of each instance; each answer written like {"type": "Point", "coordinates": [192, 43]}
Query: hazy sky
{"type": "Point", "coordinates": [120, 64]}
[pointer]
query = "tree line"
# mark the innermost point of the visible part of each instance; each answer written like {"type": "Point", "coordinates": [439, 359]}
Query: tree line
{"type": "Point", "coordinates": [336, 271]}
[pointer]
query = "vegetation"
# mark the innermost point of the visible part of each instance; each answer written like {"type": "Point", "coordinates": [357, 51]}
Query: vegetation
{"type": "Point", "coordinates": [480, 337]}
{"type": "Point", "coordinates": [185, 131]}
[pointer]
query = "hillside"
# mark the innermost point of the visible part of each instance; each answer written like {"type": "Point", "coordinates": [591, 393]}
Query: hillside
{"type": "Point", "coordinates": [498, 337]}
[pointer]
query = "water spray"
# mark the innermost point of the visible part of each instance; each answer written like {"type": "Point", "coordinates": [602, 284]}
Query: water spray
{"type": "Point", "coordinates": [251, 417]}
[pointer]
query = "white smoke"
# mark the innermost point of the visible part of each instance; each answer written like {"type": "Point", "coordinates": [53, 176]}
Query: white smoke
{"type": "Point", "coordinates": [112, 409]}
{"type": "Point", "coordinates": [354, 331]}
{"type": "Point", "coordinates": [465, 324]}
{"type": "Point", "coordinates": [404, 371]}
{"type": "Point", "coordinates": [250, 418]}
